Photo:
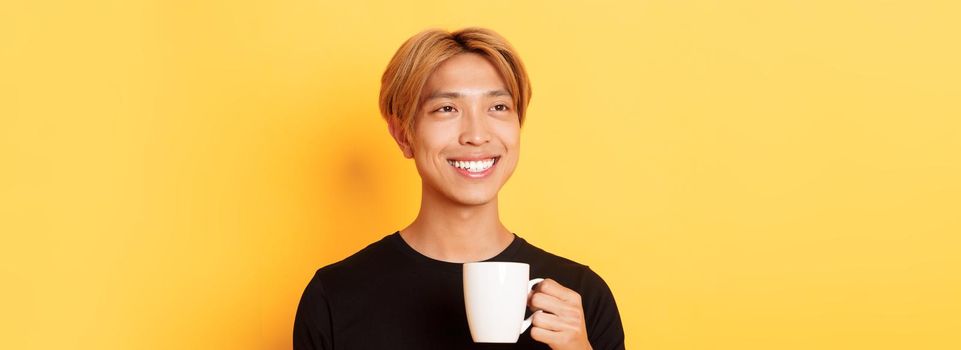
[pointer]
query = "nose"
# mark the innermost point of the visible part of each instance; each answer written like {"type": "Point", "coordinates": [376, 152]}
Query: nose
{"type": "Point", "coordinates": [474, 129]}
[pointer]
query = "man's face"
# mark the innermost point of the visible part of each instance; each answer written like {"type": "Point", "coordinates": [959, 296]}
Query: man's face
{"type": "Point", "coordinates": [466, 131]}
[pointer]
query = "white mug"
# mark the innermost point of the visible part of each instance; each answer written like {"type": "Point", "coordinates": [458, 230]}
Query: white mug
{"type": "Point", "coordinates": [495, 295]}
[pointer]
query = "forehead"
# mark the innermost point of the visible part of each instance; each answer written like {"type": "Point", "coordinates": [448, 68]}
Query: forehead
{"type": "Point", "coordinates": [465, 71]}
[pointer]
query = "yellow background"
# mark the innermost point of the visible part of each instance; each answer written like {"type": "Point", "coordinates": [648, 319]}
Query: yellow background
{"type": "Point", "coordinates": [744, 174]}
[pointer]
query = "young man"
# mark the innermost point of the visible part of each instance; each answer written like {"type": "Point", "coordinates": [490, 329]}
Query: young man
{"type": "Point", "coordinates": [454, 102]}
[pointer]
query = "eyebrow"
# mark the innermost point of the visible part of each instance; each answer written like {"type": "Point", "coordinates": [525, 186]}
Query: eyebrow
{"type": "Point", "coordinates": [452, 94]}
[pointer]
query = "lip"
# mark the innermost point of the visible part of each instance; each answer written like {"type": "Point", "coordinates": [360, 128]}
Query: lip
{"type": "Point", "coordinates": [479, 175]}
{"type": "Point", "coordinates": [474, 157]}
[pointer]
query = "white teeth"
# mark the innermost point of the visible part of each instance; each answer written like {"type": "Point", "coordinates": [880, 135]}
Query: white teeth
{"type": "Point", "coordinates": [473, 166]}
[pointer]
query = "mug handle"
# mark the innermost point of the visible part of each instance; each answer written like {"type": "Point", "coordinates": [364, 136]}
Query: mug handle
{"type": "Point", "coordinates": [530, 285]}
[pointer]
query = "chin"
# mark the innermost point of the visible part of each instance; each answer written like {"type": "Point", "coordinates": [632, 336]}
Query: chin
{"type": "Point", "coordinates": [473, 199]}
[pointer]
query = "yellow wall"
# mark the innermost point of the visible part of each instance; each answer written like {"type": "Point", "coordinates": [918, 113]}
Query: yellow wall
{"type": "Point", "coordinates": [744, 174]}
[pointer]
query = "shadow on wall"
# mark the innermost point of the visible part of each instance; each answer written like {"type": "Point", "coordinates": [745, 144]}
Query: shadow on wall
{"type": "Point", "coordinates": [360, 190]}
{"type": "Point", "coordinates": [352, 187]}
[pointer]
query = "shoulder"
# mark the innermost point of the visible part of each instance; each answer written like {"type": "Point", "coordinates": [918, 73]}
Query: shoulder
{"type": "Point", "coordinates": [567, 272]}
{"type": "Point", "coordinates": [538, 256]}
{"type": "Point", "coordinates": [376, 259]}
{"type": "Point", "coordinates": [601, 314]}
{"type": "Point", "coordinates": [370, 256]}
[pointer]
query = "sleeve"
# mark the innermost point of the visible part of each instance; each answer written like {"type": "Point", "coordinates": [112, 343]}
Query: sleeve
{"type": "Point", "coordinates": [604, 329]}
{"type": "Point", "coordinates": [312, 323]}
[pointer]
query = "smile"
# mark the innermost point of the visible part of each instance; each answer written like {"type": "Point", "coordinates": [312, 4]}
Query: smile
{"type": "Point", "coordinates": [475, 168]}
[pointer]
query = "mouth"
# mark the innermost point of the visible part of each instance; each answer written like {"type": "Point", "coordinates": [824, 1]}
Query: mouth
{"type": "Point", "coordinates": [476, 168]}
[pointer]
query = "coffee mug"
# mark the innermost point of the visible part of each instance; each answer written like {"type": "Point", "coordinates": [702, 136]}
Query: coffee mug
{"type": "Point", "coordinates": [495, 295]}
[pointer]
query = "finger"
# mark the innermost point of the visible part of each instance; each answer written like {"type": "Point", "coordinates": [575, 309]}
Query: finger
{"type": "Point", "coordinates": [545, 336]}
{"type": "Point", "coordinates": [556, 289]}
{"type": "Point", "coordinates": [550, 303]}
{"type": "Point", "coordinates": [549, 322]}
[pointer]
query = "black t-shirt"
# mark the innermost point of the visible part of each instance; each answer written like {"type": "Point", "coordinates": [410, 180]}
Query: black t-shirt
{"type": "Point", "coordinates": [389, 296]}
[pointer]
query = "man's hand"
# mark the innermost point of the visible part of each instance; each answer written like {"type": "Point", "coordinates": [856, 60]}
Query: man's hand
{"type": "Point", "coordinates": [558, 317]}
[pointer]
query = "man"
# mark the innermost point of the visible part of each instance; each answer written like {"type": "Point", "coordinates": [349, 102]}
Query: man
{"type": "Point", "coordinates": [454, 103]}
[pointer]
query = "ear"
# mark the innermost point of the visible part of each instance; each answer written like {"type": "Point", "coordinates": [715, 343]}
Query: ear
{"type": "Point", "coordinates": [397, 131]}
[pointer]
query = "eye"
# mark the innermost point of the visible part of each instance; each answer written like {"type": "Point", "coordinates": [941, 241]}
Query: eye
{"type": "Point", "coordinates": [500, 107]}
{"type": "Point", "coordinates": [445, 109]}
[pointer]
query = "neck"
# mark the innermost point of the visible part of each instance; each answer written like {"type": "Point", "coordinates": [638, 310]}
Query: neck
{"type": "Point", "coordinates": [454, 232]}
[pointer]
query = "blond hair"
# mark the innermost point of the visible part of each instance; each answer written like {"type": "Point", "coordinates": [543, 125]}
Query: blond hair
{"type": "Point", "coordinates": [417, 58]}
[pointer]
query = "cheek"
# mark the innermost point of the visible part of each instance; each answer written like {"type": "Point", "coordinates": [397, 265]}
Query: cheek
{"type": "Point", "coordinates": [510, 136]}
{"type": "Point", "coordinates": [431, 141]}
{"type": "Point", "coordinates": [513, 144]}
